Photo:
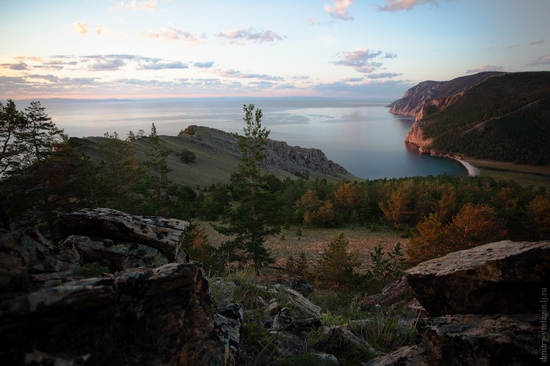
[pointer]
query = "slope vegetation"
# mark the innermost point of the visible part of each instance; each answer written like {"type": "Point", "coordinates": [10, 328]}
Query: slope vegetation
{"type": "Point", "coordinates": [506, 117]}
{"type": "Point", "coordinates": [217, 156]}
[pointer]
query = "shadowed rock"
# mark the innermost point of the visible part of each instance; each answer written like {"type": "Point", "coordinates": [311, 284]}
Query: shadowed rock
{"type": "Point", "coordinates": [28, 252]}
{"type": "Point", "coordinates": [482, 339]}
{"type": "Point", "coordinates": [503, 277]}
{"type": "Point", "coordinates": [141, 317]}
{"type": "Point", "coordinates": [114, 254]}
{"type": "Point", "coordinates": [404, 356]}
{"type": "Point", "coordinates": [165, 235]}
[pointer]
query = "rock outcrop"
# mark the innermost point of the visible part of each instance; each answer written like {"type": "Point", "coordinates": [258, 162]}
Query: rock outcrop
{"type": "Point", "coordinates": [488, 306]}
{"type": "Point", "coordinates": [165, 235]}
{"type": "Point", "coordinates": [160, 316]}
{"type": "Point", "coordinates": [511, 339]}
{"type": "Point", "coordinates": [26, 253]}
{"type": "Point", "coordinates": [425, 94]}
{"type": "Point", "coordinates": [503, 277]}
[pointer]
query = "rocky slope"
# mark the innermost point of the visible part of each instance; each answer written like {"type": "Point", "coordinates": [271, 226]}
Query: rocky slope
{"type": "Point", "coordinates": [497, 116]}
{"type": "Point", "coordinates": [279, 155]}
{"type": "Point", "coordinates": [435, 93]}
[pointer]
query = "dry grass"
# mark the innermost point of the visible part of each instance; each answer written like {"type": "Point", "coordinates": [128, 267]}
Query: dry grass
{"type": "Point", "coordinates": [314, 241]}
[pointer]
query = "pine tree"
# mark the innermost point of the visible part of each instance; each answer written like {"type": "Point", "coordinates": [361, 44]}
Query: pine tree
{"type": "Point", "coordinates": [37, 140]}
{"type": "Point", "coordinates": [158, 170]}
{"type": "Point", "coordinates": [336, 265]}
{"type": "Point", "coordinates": [120, 170]}
{"type": "Point", "coordinates": [248, 221]}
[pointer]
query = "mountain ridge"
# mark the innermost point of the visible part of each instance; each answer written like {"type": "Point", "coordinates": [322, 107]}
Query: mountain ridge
{"type": "Point", "coordinates": [218, 156]}
{"type": "Point", "coordinates": [501, 116]}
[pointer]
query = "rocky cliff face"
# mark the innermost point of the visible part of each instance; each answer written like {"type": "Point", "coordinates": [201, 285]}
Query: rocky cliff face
{"type": "Point", "coordinates": [430, 96]}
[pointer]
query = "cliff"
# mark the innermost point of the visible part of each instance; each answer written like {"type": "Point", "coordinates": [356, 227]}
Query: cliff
{"type": "Point", "coordinates": [420, 96]}
{"type": "Point", "coordinates": [497, 116]}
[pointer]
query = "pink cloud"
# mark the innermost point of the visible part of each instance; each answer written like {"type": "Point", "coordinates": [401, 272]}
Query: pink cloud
{"type": "Point", "coordinates": [397, 5]}
{"type": "Point", "coordinates": [483, 68]}
{"type": "Point", "coordinates": [340, 9]}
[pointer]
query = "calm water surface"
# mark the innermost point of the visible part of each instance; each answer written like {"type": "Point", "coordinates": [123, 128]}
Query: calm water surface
{"type": "Point", "coordinates": [358, 134]}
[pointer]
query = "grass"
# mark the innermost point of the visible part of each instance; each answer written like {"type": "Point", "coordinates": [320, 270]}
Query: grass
{"type": "Point", "coordinates": [525, 175]}
{"type": "Point", "coordinates": [215, 159]}
{"type": "Point", "coordinates": [314, 241]}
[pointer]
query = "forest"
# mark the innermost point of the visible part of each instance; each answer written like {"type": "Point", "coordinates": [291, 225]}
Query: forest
{"type": "Point", "coordinates": [504, 118]}
{"type": "Point", "coordinates": [43, 175]}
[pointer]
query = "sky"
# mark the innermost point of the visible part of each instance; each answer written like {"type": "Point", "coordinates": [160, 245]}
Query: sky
{"type": "Point", "coordinates": [266, 48]}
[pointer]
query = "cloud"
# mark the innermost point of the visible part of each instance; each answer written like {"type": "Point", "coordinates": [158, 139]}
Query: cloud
{"type": "Point", "coordinates": [239, 75]}
{"type": "Point", "coordinates": [311, 21]}
{"type": "Point", "coordinates": [107, 62]}
{"type": "Point", "coordinates": [204, 65]}
{"type": "Point", "coordinates": [369, 88]}
{"type": "Point", "coordinates": [133, 5]}
{"type": "Point", "coordinates": [81, 27]}
{"type": "Point", "coordinates": [236, 36]}
{"type": "Point", "coordinates": [361, 60]}
{"type": "Point", "coordinates": [352, 80]}
{"type": "Point", "coordinates": [397, 5]}
{"type": "Point", "coordinates": [170, 33]}
{"type": "Point", "coordinates": [340, 9]}
{"type": "Point", "coordinates": [384, 75]}
{"type": "Point", "coordinates": [537, 42]}
{"type": "Point", "coordinates": [483, 68]}
{"type": "Point", "coordinates": [19, 66]}
{"type": "Point", "coordinates": [161, 64]}
{"type": "Point", "coordinates": [542, 60]}
{"type": "Point", "coordinates": [390, 55]}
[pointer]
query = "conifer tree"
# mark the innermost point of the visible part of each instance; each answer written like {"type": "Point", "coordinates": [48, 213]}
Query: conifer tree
{"type": "Point", "coordinates": [120, 169]}
{"type": "Point", "coordinates": [158, 170]}
{"type": "Point", "coordinates": [248, 221]}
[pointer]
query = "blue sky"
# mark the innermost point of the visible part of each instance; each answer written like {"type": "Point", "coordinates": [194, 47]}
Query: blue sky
{"type": "Point", "coordinates": [338, 48]}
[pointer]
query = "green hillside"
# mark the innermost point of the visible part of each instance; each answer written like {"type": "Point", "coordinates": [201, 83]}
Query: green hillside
{"type": "Point", "coordinates": [504, 118]}
{"type": "Point", "coordinates": [217, 156]}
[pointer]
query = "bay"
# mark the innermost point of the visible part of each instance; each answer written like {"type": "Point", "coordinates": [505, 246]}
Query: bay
{"type": "Point", "coordinates": [360, 135]}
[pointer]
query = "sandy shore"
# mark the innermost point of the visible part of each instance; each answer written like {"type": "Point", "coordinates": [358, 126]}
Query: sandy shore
{"type": "Point", "coordinates": [472, 170]}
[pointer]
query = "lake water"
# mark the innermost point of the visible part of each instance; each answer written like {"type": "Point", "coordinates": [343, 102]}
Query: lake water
{"type": "Point", "coordinates": [360, 135]}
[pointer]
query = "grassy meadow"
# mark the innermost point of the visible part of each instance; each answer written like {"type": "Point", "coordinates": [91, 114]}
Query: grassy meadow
{"type": "Point", "coordinates": [314, 241]}
{"type": "Point", "coordinates": [524, 175]}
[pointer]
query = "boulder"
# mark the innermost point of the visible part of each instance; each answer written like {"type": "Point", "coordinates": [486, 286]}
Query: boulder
{"type": "Point", "coordinates": [302, 304]}
{"type": "Point", "coordinates": [28, 252]}
{"type": "Point", "coordinates": [504, 277]}
{"type": "Point", "coordinates": [342, 343]}
{"type": "Point", "coordinates": [116, 255]}
{"type": "Point", "coordinates": [165, 235]}
{"type": "Point", "coordinates": [482, 339]}
{"type": "Point", "coordinates": [404, 356]}
{"type": "Point", "coordinates": [161, 316]}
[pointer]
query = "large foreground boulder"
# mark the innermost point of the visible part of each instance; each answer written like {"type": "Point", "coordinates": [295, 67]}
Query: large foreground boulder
{"type": "Point", "coordinates": [504, 277]}
{"type": "Point", "coordinates": [482, 339]}
{"type": "Point", "coordinates": [161, 316]}
{"type": "Point", "coordinates": [165, 235]}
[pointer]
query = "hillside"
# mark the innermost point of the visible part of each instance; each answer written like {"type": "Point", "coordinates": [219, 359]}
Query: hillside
{"type": "Point", "coordinates": [217, 156]}
{"type": "Point", "coordinates": [505, 117]}
{"type": "Point", "coordinates": [424, 93]}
